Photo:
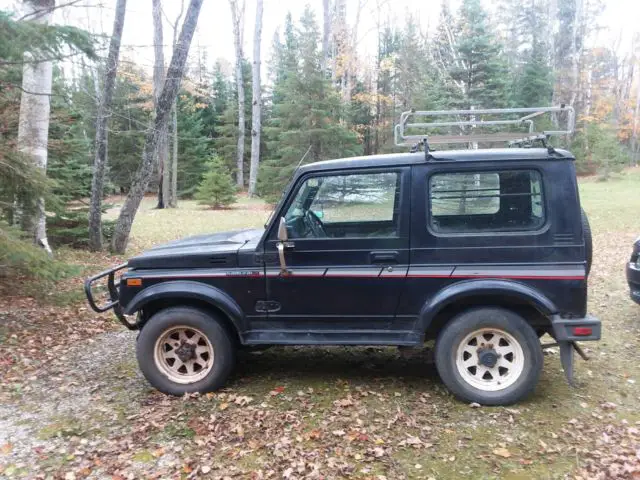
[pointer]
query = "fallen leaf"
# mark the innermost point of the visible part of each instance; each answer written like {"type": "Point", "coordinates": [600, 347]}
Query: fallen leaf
{"type": "Point", "coordinates": [502, 452]}
{"type": "Point", "coordinates": [205, 469]}
{"type": "Point", "coordinates": [338, 433]}
{"type": "Point", "coordinates": [223, 406]}
{"type": "Point", "coordinates": [6, 448]}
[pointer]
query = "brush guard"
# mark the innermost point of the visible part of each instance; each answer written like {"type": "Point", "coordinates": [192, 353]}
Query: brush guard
{"type": "Point", "coordinates": [114, 297]}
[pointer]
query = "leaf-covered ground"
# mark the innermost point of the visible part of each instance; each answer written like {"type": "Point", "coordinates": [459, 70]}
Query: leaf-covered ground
{"type": "Point", "coordinates": [74, 405]}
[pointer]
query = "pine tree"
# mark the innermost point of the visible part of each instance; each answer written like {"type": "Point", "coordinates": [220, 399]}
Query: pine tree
{"type": "Point", "coordinates": [535, 85]}
{"type": "Point", "coordinates": [217, 188]}
{"type": "Point", "coordinates": [226, 130]}
{"type": "Point", "coordinates": [480, 68]}
{"type": "Point", "coordinates": [305, 111]}
{"type": "Point", "coordinates": [194, 144]}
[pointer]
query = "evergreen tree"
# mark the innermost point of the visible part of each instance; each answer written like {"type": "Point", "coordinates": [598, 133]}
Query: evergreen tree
{"type": "Point", "coordinates": [194, 145]}
{"type": "Point", "coordinates": [226, 130]}
{"type": "Point", "coordinates": [479, 68]}
{"type": "Point", "coordinates": [217, 188]}
{"type": "Point", "coordinates": [535, 84]}
{"type": "Point", "coordinates": [305, 111]}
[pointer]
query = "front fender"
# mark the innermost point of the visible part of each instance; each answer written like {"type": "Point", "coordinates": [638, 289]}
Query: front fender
{"type": "Point", "coordinates": [189, 290]}
{"type": "Point", "coordinates": [490, 290]}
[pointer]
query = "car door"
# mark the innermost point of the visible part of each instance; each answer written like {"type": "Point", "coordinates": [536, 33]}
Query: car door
{"type": "Point", "coordinates": [347, 253]}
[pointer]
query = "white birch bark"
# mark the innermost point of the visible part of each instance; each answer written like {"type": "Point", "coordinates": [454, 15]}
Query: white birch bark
{"type": "Point", "coordinates": [33, 127]}
{"type": "Point", "coordinates": [164, 172]}
{"type": "Point", "coordinates": [256, 103]}
{"type": "Point", "coordinates": [237, 17]}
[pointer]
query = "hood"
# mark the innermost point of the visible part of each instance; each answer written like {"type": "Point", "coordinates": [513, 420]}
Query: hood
{"type": "Point", "coordinates": [202, 251]}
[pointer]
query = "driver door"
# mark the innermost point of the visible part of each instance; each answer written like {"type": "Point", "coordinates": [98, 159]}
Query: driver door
{"type": "Point", "coordinates": [347, 253]}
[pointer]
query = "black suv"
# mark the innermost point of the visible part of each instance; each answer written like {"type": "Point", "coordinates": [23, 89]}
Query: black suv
{"type": "Point", "coordinates": [482, 250]}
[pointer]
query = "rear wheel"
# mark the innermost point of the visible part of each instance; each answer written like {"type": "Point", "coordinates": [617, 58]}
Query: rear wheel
{"type": "Point", "coordinates": [184, 350]}
{"type": "Point", "coordinates": [490, 356]}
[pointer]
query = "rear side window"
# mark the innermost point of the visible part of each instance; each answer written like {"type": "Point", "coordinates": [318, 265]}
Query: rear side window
{"type": "Point", "coordinates": [491, 201]}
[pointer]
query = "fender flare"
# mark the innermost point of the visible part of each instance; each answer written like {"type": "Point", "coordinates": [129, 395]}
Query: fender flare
{"type": "Point", "coordinates": [189, 290]}
{"type": "Point", "coordinates": [487, 288]}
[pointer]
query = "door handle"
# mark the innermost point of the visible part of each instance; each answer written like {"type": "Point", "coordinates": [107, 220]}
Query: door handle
{"type": "Point", "coordinates": [384, 257]}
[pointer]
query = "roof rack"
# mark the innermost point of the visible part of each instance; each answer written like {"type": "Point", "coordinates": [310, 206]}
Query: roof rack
{"type": "Point", "coordinates": [468, 125]}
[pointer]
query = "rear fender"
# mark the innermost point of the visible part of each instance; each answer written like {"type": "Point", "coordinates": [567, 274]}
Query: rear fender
{"type": "Point", "coordinates": [189, 290]}
{"type": "Point", "coordinates": [492, 291]}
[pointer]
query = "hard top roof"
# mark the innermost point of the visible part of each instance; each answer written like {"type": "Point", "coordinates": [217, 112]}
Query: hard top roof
{"type": "Point", "coordinates": [399, 159]}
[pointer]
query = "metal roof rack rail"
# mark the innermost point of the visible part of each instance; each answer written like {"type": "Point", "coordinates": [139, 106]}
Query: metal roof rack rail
{"type": "Point", "coordinates": [413, 128]}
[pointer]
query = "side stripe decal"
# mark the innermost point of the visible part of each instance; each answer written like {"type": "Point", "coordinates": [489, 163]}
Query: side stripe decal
{"type": "Point", "coordinates": [542, 272]}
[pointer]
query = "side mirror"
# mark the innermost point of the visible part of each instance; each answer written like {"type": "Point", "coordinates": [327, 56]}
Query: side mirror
{"type": "Point", "coordinates": [283, 236]}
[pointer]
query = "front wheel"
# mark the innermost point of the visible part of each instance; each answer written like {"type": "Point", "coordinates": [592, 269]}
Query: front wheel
{"type": "Point", "coordinates": [185, 350]}
{"type": "Point", "coordinates": [490, 356]}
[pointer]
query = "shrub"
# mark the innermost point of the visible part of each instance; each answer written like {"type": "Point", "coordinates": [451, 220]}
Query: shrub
{"type": "Point", "coordinates": [19, 256]}
{"type": "Point", "coordinates": [217, 188]}
{"type": "Point", "coordinates": [71, 227]}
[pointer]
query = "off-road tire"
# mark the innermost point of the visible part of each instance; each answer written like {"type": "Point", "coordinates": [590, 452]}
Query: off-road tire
{"type": "Point", "coordinates": [460, 327]}
{"type": "Point", "coordinates": [189, 317]}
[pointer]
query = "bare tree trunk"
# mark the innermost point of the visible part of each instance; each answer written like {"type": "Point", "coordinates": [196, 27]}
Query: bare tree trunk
{"type": "Point", "coordinates": [237, 15]}
{"type": "Point", "coordinates": [33, 126]}
{"type": "Point", "coordinates": [165, 101]}
{"type": "Point", "coordinates": [104, 105]}
{"type": "Point", "coordinates": [326, 31]}
{"type": "Point", "coordinates": [635, 146]}
{"type": "Point", "coordinates": [256, 106]}
{"type": "Point", "coordinates": [173, 190]}
{"type": "Point", "coordinates": [173, 194]}
{"type": "Point", "coordinates": [158, 81]}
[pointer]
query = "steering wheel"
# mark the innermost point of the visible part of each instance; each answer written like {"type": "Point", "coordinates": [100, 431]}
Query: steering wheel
{"type": "Point", "coordinates": [315, 224]}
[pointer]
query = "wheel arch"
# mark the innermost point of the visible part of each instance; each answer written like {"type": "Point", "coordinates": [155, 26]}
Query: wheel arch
{"type": "Point", "coordinates": [189, 294]}
{"type": "Point", "coordinates": [532, 305]}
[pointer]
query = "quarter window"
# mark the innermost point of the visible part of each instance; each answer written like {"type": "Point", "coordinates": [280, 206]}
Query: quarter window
{"type": "Point", "coordinates": [486, 201]}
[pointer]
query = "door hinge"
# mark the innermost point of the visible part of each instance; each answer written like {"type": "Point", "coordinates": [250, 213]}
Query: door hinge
{"type": "Point", "coordinates": [267, 306]}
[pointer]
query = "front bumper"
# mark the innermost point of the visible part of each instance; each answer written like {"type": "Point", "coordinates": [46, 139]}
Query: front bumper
{"type": "Point", "coordinates": [113, 286]}
{"type": "Point", "coordinates": [633, 278]}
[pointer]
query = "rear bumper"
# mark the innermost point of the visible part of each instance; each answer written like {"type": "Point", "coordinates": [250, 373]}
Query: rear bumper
{"type": "Point", "coordinates": [633, 278]}
{"type": "Point", "coordinates": [576, 329]}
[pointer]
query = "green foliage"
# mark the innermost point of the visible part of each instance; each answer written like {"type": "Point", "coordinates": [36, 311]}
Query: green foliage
{"type": "Point", "coordinates": [70, 226]}
{"type": "Point", "coordinates": [217, 188]}
{"type": "Point", "coordinates": [194, 146]}
{"type": "Point", "coordinates": [226, 132]}
{"type": "Point", "coordinates": [598, 150]}
{"type": "Point", "coordinates": [20, 257]}
{"type": "Point", "coordinates": [305, 111]}
{"type": "Point", "coordinates": [41, 41]}
{"type": "Point", "coordinates": [480, 68]}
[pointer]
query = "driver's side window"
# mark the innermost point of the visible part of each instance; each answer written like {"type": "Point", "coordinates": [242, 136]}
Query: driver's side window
{"type": "Point", "coordinates": [361, 205]}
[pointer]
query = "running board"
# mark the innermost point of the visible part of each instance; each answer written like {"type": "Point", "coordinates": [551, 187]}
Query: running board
{"type": "Point", "coordinates": [331, 337]}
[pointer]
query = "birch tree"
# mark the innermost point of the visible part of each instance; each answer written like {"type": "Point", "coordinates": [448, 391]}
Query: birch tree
{"type": "Point", "coordinates": [256, 103]}
{"type": "Point", "coordinates": [33, 127]}
{"type": "Point", "coordinates": [326, 32]}
{"type": "Point", "coordinates": [104, 107]}
{"type": "Point", "coordinates": [152, 138]}
{"type": "Point", "coordinates": [172, 197]}
{"type": "Point", "coordinates": [164, 173]}
{"type": "Point", "coordinates": [237, 18]}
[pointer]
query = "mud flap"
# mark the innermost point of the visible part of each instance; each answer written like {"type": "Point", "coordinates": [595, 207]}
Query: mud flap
{"type": "Point", "coordinates": [566, 358]}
